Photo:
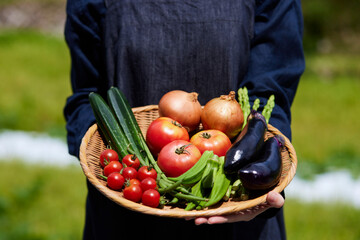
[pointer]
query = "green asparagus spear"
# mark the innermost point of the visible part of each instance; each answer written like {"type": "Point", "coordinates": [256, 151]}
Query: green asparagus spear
{"type": "Point", "coordinates": [268, 108]}
{"type": "Point", "coordinates": [243, 99]}
{"type": "Point", "coordinates": [256, 104]}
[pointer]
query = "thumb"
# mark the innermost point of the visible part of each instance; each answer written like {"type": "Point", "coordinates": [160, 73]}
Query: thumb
{"type": "Point", "coordinates": [274, 199]}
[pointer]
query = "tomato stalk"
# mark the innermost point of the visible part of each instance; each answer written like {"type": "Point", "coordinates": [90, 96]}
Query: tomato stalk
{"type": "Point", "coordinates": [177, 124]}
{"type": "Point", "coordinates": [103, 177]}
{"type": "Point", "coordinates": [206, 135]}
{"type": "Point", "coordinates": [106, 161]}
{"type": "Point", "coordinates": [182, 149]}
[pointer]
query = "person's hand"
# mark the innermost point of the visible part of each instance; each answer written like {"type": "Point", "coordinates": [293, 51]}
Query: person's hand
{"type": "Point", "coordinates": [273, 199]}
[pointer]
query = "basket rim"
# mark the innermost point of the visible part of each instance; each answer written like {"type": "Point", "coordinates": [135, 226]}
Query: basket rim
{"type": "Point", "coordinates": [178, 212]}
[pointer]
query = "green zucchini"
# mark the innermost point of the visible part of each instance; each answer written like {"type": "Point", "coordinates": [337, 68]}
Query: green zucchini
{"type": "Point", "coordinates": [108, 124]}
{"type": "Point", "coordinates": [124, 117]}
{"type": "Point", "coordinates": [127, 121]}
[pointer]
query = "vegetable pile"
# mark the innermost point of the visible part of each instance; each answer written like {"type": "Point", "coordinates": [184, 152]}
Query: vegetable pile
{"type": "Point", "coordinates": [191, 157]}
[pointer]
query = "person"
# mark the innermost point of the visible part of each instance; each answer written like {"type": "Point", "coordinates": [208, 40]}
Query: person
{"type": "Point", "coordinates": [147, 48]}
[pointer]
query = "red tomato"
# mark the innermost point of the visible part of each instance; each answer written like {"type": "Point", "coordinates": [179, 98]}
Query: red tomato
{"type": "Point", "coordinates": [107, 156]}
{"type": "Point", "coordinates": [131, 160]}
{"type": "Point", "coordinates": [214, 140]}
{"type": "Point", "coordinates": [133, 192]}
{"type": "Point", "coordinates": [115, 181]}
{"type": "Point", "coordinates": [114, 166]}
{"type": "Point", "coordinates": [129, 173]}
{"type": "Point", "coordinates": [135, 181]}
{"type": "Point", "coordinates": [151, 198]}
{"type": "Point", "coordinates": [177, 157]}
{"type": "Point", "coordinates": [148, 183]}
{"type": "Point", "coordinates": [145, 172]}
{"type": "Point", "coordinates": [162, 131]}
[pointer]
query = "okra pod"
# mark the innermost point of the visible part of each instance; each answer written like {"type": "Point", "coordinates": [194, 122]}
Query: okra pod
{"type": "Point", "coordinates": [195, 190]}
{"type": "Point", "coordinates": [189, 197]}
{"type": "Point", "coordinates": [208, 177]}
{"type": "Point", "coordinates": [221, 185]}
{"type": "Point", "coordinates": [164, 188]}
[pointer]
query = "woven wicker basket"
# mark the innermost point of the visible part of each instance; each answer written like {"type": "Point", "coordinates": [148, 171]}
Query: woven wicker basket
{"type": "Point", "coordinates": [92, 145]}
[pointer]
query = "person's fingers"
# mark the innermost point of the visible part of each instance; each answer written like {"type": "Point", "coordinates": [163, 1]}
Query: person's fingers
{"type": "Point", "coordinates": [201, 220]}
{"type": "Point", "coordinates": [275, 199]}
{"type": "Point", "coordinates": [245, 215]}
{"type": "Point", "coordinates": [218, 219]}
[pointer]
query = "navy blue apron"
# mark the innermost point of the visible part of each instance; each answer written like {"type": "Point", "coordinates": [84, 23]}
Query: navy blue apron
{"type": "Point", "coordinates": [152, 47]}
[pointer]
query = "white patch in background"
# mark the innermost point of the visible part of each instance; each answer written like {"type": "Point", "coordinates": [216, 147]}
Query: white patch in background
{"type": "Point", "coordinates": [331, 187]}
{"type": "Point", "coordinates": [34, 148]}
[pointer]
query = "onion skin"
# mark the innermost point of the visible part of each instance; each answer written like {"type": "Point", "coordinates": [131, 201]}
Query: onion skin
{"type": "Point", "coordinates": [223, 113]}
{"type": "Point", "coordinates": [183, 107]}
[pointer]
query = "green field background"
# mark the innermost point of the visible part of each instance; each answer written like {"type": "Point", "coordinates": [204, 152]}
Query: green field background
{"type": "Point", "coordinates": [47, 202]}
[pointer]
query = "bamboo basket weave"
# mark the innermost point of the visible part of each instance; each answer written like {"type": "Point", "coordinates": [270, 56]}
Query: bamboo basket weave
{"type": "Point", "coordinates": [92, 145]}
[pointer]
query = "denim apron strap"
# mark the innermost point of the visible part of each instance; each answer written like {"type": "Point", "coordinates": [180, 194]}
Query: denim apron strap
{"type": "Point", "coordinates": [154, 46]}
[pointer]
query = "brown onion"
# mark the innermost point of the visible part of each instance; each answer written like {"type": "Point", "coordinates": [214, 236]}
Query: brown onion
{"type": "Point", "coordinates": [183, 107]}
{"type": "Point", "coordinates": [223, 113]}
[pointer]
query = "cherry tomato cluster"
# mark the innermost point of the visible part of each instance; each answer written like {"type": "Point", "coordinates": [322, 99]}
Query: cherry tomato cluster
{"type": "Point", "coordinates": [137, 183]}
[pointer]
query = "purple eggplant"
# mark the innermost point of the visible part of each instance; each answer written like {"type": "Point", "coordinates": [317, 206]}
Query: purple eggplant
{"type": "Point", "coordinates": [247, 145]}
{"type": "Point", "coordinates": [264, 172]}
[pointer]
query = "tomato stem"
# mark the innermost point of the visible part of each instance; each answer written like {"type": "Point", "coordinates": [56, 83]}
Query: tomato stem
{"type": "Point", "coordinates": [106, 161]}
{"type": "Point", "coordinates": [182, 149]}
{"type": "Point", "coordinates": [206, 135]}
{"type": "Point", "coordinates": [103, 177]}
{"type": "Point", "coordinates": [130, 150]}
{"type": "Point", "coordinates": [177, 124]}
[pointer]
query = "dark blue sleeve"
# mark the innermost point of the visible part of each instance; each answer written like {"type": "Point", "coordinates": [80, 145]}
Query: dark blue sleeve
{"type": "Point", "coordinates": [277, 59]}
{"type": "Point", "coordinates": [84, 39]}
{"type": "Point", "coordinates": [276, 62]}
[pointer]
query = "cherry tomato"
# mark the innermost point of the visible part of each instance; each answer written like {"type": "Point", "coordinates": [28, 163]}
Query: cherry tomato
{"type": "Point", "coordinates": [145, 172]}
{"type": "Point", "coordinates": [151, 198]}
{"type": "Point", "coordinates": [133, 192]}
{"type": "Point", "coordinates": [177, 157]}
{"type": "Point", "coordinates": [107, 156]}
{"type": "Point", "coordinates": [162, 131]}
{"type": "Point", "coordinates": [214, 140]}
{"type": "Point", "coordinates": [114, 166]}
{"type": "Point", "coordinates": [129, 173]}
{"type": "Point", "coordinates": [148, 183]}
{"type": "Point", "coordinates": [135, 181]}
{"type": "Point", "coordinates": [115, 181]}
{"type": "Point", "coordinates": [131, 160]}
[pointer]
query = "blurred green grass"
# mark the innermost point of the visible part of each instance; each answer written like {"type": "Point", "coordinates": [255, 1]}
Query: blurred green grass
{"type": "Point", "coordinates": [321, 221]}
{"type": "Point", "coordinates": [34, 73]}
{"type": "Point", "coordinates": [41, 202]}
{"type": "Point", "coordinates": [325, 114]}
